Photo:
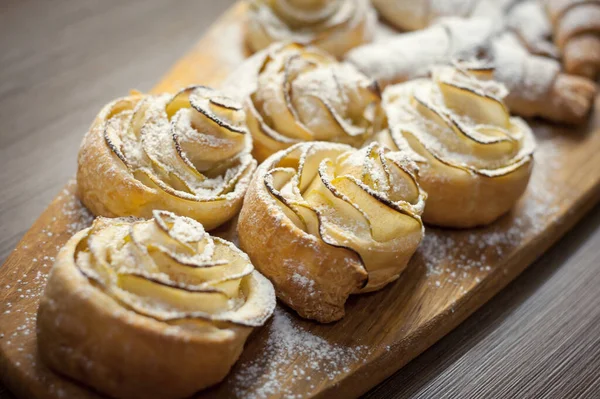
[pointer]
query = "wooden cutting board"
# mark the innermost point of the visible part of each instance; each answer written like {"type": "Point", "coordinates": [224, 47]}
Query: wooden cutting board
{"type": "Point", "coordinates": [453, 273]}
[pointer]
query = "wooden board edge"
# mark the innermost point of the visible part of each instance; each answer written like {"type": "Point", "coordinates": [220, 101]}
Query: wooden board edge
{"type": "Point", "coordinates": [354, 385]}
{"type": "Point", "coordinates": [386, 364]}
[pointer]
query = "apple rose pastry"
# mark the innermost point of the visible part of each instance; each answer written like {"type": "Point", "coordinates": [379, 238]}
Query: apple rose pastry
{"type": "Point", "coordinates": [335, 26]}
{"type": "Point", "coordinates": [303, 94]}
{"type": "Point", "coordinates": [188, 153]}
{"type": "Point", "coordinates": [149, 309]}
{"type": "Point", "coordinates": [476, 159]}
{"type": "Point", "coordinates": [323, 221]}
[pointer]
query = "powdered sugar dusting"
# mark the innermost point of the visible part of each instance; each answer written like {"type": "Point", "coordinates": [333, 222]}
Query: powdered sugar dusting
{"type": "Point", "coordinates": [276, 369]}
{"type": "Point", "coordinates": [25, 284]}
{"type": "Point", "coordinates": [78, 216]}
{"type": "Point", "coordinates": [460, 257]}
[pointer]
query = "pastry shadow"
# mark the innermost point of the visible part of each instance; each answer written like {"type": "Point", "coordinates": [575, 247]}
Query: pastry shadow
{"type": "Point", "coordinates": [545, 131]}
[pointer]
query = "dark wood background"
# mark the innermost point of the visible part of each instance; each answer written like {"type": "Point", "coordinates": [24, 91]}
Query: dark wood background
{"type": "Point", "coordinates": [61, 60]}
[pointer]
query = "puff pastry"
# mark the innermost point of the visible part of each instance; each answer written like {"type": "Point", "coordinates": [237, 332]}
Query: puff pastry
{"type": "Point", "coordinates": [303, 94]}
{"type": "Point", "coordinates": [323, 221]}
{"type": "Point", "coordinates": [188, 153]}
{"type": "Point", "coordinates": [526, 18]}
{"type": "Point", "coordinates": [536, 85]}
{"type": "Point", "coordinates": [335, 26]}
{"type": "Point", "coordinates": [577, 34]}
{"type": "Point", "coordinates": [149, 309]}
{"type": "Point", "coordinates": [474, 159]}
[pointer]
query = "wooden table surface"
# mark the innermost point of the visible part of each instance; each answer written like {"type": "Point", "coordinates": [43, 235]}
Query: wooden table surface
{"type": "Point", "coordinates": [61, 60]}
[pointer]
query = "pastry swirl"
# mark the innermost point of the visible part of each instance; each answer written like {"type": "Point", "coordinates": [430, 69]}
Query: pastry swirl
{"type": "Point", "coordinates": [576, 25]}
{"type": "Point", "coordinates": [335, 26]}
{"type": "Point", "coordinates": [188, 153]}
{"type": "Point", "coordinates": [537, 87]}
{"type": "Point", "coordinates": [323, 221]}
{"type": "Point", "coordinates": [154, 308]}
{"type": "Point", "coordinates": [475, 159]}
{"type": "Point", "coordinates": [303, 94]}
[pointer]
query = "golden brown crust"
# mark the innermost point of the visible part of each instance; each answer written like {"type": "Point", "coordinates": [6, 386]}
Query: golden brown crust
{"type": "Point", "coordinates": [581, 55]}
{"type": "Point", "coordinates": [577, 34]}
{"type": "Point", "coordinates": [316, 264]}
{"type": "Point", "coordinates": [571, 99]}
{"type": "Point", "coordinates": [109, 184]}
{"type": "Point", "coordinates": [278, 248]}
{"type": "Point", "coordinates": [303, 94]}
{"type": "Point", "coordinates": [89, 334]}
{"type": "Point", "coordinates": [333, 26]}
{"type": "Point", "coordinates": [531, 80]}
{"type": "Point", "coordinates": [471, 200]}
{"type": "Point", "coordinates": [474, 159]}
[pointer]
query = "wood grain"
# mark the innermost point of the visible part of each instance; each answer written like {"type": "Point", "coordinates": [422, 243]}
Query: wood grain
{"type": "Point", "coordinates": [390, 325]}
{"type": "Point", "coordinates": [538, 338]}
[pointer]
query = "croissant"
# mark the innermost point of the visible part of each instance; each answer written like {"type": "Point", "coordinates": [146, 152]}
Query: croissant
{"type": "Point", "coordinates": [323, 221]}
{"type": "Point", "coordinates": [419, 14]}
{"type": "Point", "coordinates": [334, 26]}
{"type": "Point", "coordinates": [303, 94]}
{"type": "Point", "coordinates": [536, 85]}
{"type": "Point", "coordinates": [474, 159]}
{"type": "Point", "coordinates": [576, 26]}
{"type": "Point", "coordinates": [149, 309]}
{"type": "Point", "coordinates": [188, 153]}
{"type": "Point", "coordinates": [526, 18]}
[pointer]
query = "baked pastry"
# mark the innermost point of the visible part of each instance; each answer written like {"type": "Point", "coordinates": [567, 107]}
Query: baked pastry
{"type": "Point", "coordinates": [303, 94]}
{"type": "Point", "coordinates": [419, 14]}
{"type": "Point", "coordinates": [530, 23]}
{"type": "Point", "coordinates": [188, 153]}
{"type": "Point", "coordinates": [536, 85]}
{"type": "Point", "coordinates": [149, 309]}
{"type": "Point", "coordinates": [411, 55]}
{"type": "Point", "coordinates": [335, 26]}
{"type": "Point", "coordinates": [526, 18]}
{"type": "Point", "coordinates": [576, 26]}
{"type": "Point", "coordinates": [474, 158]}
{"type": "Point", "coordinates": [323, 221]}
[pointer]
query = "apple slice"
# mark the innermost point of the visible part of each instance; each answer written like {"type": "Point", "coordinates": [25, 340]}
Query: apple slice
{"type": "Point", "coordinates": [112, 137]}
{"type": "Point", "coordinates": [275, 179]}
{"type": "Point", "coordinates": [479, 70]}
{"type": "Point", "coordinates": [140, 116]}
{"type": "Point", "coordinates": [93, 261]}
{"type": "Point", "coordinates": [478, 106]}
{"type": "Point", "coordinates": [428, 110]}
{"type": "Point", "coordinates": [179, 231]}
{"type": "Point", "coordinates": [164, 295]}
{"type": "Point", "coordinates": [223, 273]}
{"type": "Point", "coordinates": [180, 100]}
{"type": "Point", "coordinates": [224, 290]}
{"type": "Point", "coordinates": [230, 119]}
{"type": "Point", "coordinates": [117, 118]}
{"type": "Point", "coordinates": [185, 161]}
{"type": "Point", "coordinates": [386, 219]}
{"type": "Point", "coordinates": [339, 216]}
{"type": "Point", "coordinates": [403, 185]}
{"type": "Point", "coordinates": [486, 142]}
{"type": "Point", "coordinates": [272, 102]}
{"type": "Point", "coordinates": [310, 161]}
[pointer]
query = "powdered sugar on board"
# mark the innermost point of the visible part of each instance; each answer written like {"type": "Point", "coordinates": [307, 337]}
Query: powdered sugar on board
{"type": "Point", "coordinates": [460, 256]}
{"type": "Point", "coordinates": [22, 287]}
{"type": "Point", "coordinates": [291, 357]}
{"type": "Point", "coordinates": [376, 325]}
{"type": "Point", "coordinates": [286, 343]}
